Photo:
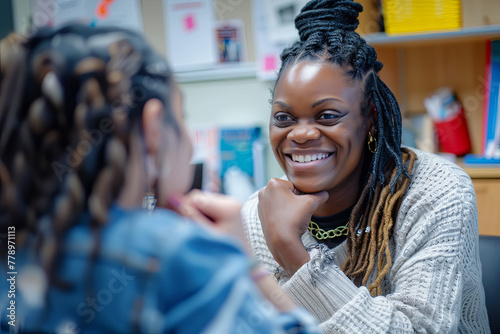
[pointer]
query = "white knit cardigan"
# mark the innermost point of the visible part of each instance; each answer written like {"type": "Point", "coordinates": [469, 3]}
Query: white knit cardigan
{"type": "Point", "coordinates": [434, 284]}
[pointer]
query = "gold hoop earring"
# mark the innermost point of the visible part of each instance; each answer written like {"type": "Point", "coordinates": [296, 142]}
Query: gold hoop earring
{"type": "Point", "coordinates": [372, 141]}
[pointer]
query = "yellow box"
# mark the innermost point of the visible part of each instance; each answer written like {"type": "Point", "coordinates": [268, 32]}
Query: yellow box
{"type": "Point", "coordinates": [408, 16]}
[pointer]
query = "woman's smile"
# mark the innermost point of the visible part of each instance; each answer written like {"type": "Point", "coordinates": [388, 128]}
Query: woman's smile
{"type": "Point", "coordinates": [305, 158]}
{"type": "Point", "coordinates": [309, 162]}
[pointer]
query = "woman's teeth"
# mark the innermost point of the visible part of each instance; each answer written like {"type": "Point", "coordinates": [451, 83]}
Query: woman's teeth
{"type": "Point", "coordinates": [309, 158]}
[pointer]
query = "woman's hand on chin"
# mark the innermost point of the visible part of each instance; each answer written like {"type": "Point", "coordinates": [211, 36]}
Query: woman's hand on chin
{"type": "Point", "coordinates": [285, 214]}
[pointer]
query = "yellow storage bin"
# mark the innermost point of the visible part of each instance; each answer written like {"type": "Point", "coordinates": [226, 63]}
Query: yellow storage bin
{"type": "Point", "coordinates": [407, 16]}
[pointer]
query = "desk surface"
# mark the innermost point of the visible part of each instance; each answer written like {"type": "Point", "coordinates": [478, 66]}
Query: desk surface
{"type": "Point", "coordinates": [482, 172]}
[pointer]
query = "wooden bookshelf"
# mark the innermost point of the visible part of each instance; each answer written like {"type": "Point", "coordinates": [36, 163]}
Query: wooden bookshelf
{"type": "Point", "coordinates": [414, 71]}
{"type": "Point", "coordinates": [487, 197]}
{"type": "Point", "coordinates": [486, 180]}
{"type": "Point", "coordinates": [416, 65]}
{"type": "Point", "coordinates": [482, 172]}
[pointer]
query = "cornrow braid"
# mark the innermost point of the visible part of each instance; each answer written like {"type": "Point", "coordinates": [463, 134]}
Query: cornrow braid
{"type": "Point", "coordinates": [70, 106]}
{"type": "Point", "coordinates": [327, 34]}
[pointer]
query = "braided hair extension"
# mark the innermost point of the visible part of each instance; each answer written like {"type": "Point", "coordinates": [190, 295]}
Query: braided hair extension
{"type": "Point", "coordinates": [71, 102]}
{"type": "Point", "coordinates": [327, 34]}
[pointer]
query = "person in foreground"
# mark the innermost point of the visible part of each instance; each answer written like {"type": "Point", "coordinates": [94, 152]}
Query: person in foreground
{"type": "Point", "coordinates": [91, 120]}
{"type": "Point", "coordinates": [368, 236]}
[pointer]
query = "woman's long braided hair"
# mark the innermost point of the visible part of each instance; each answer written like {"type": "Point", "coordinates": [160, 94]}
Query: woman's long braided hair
{"type": "Point", "coordinates": [71, 102]}
{"type": "Point", "coordinates": [327, 34]}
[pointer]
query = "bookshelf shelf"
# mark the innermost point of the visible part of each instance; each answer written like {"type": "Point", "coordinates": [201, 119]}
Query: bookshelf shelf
{"type": "Point", "coordinates": [219, 72]}
{"type": "Point", "coordinates": [482, 172]}
{"type": "Point", "coordinates": [465, 34]}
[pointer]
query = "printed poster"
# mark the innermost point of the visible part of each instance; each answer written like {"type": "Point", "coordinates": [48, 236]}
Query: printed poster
{"type": "Point", "coordinates": [230, 37]}
{"type": "Point", "coordinates": [189, 30]}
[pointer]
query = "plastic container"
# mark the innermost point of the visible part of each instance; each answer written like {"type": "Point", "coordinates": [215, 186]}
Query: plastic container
{"type": "Point", "coordinates": [453, 134]}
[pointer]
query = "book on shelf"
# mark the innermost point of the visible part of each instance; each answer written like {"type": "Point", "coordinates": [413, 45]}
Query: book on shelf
{"type": "Point", "coordinates": [486, 95]}
{"type": "Point", "coordinates": [479, 159]}
{"type": "Point", "coordinates": [491, 119]}
{"type": "Point", "coordinates": [490, 134]}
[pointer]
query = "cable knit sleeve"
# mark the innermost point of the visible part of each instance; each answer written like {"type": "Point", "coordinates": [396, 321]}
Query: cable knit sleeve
{"type": "Point", "coordinates": [434, 285]}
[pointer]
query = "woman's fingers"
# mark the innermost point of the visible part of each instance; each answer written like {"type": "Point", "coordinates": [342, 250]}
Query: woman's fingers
{"type": "Point", "coordinates": [222, 212]}
{"type": "Point", "coordinates": [282, 195]}
{"type": "Point", "coordinates": [185, 208]}
{"type": "Point", "coordinates": [215, 206]}
{"type": "Point", "coordinates": [318, 199]}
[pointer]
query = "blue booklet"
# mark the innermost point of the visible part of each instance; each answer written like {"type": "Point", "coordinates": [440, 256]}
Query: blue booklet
{"type": "Point", "coordinates": [242, 161]}
{"type": "Point", "coordinates": [477, 159]}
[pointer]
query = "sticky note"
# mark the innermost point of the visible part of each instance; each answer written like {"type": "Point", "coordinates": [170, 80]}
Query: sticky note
{"type": "Point", "coordinates": [269, 63]}
{"type": "Point", "coordinates": [189, 22]}
{"type": "Point", "coordinates": [102, 9]}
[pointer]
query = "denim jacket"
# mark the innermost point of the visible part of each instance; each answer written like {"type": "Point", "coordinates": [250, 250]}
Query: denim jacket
{"type": "Point", "coordinates": [156, 273]}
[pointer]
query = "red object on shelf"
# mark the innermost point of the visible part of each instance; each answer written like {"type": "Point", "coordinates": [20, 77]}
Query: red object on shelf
{"type": "Point", "coordinates": [453, 134]}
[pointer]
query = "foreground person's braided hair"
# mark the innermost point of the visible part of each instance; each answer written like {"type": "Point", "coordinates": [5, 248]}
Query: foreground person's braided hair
{"type": "Point", "coordinates": [80, 144]}
{"type": "Point", "coordinates": [327, 34]}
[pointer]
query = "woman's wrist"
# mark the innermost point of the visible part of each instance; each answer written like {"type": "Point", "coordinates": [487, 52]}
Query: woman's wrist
{"type": "Point", "coordinates": [292, 264]}
{"type": "Point", "coordinates": [291, 256]}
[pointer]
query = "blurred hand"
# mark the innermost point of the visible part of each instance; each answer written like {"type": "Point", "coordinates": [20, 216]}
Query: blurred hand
{"type": "Point", "coordinates": [285, 214]}
{"type": "Point", "coordinates": [218, 212]}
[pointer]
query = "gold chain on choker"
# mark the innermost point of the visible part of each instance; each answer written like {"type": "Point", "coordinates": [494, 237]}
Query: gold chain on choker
{"type": "Point", "coordinates": [321, 234]}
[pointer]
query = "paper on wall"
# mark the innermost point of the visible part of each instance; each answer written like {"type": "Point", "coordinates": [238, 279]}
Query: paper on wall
{"type": "Point", "coordinates": [274, 30]}
{"type": "Point", "coordinates": [230, 36]}
{"type": "Point", "coordinates": [267, 53]}
{"type": "Point", "coordinates": [120, 13]}
{"type": "Point", "coordinates": [189, 30]}
{"type": "Point", "coordinates": [281, 19]}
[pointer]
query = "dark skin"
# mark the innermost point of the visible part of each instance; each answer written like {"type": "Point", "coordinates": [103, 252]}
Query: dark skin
{"type": "Point", "coordinates": [319, 137]}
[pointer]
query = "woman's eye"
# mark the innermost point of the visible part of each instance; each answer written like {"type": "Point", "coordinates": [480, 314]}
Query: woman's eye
{"type": "Point", "coordinates": [282, 119]}
{"type": "Point", "coordinates": [328, 117]}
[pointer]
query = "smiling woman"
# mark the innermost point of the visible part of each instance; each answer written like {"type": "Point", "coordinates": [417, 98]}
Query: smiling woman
{"type": "Point", "coordinates": [368, 236]}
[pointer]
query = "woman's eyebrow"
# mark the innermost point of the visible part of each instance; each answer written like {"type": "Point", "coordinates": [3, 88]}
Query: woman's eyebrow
{"type": "Point", "coordinates": [283, 105]}
{"type": "Point", "coordinates": [317, 103]}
